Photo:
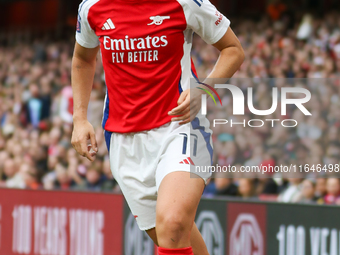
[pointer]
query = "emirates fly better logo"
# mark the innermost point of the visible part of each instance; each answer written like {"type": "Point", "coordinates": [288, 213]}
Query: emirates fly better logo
{"type": "Point", "coordinates": [301, 97]}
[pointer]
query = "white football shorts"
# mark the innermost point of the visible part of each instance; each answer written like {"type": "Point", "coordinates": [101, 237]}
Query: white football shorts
{"type": "Point", "coordinates": [139, 162]}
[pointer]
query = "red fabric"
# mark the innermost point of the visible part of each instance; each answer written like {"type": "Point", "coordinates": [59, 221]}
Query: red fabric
{"type": "Point", "coordinates": [144, 87]}
{"type": "Point", "coordinates": [182, 251]}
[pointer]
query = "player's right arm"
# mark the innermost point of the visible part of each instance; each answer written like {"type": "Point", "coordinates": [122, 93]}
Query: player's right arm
{"type": "Point", "coordinates": [83, 70]}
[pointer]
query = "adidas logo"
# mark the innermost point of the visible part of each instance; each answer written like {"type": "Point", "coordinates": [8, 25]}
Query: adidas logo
{"type": "Point", "coordinates": [187, 161]}
{"type": "Point", "coordinates": [108, 25]}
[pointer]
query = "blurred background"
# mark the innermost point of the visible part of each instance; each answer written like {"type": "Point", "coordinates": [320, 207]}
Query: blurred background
{"type": "Point", "coordinates": [281, 39]}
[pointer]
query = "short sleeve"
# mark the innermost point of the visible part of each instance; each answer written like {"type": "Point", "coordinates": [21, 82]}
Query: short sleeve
{"type": "Point", "coordinates": [204, 19]}
{"type": "Point", "coordinates": [85, 35]}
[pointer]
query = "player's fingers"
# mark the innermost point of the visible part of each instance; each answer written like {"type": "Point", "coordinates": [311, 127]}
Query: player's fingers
{"type": "Point", "coordinates": [182, 97]}
{"type": "Point", "coordinates": [76, 145]}
{"type": "Point", "coordinates": [185, 121]}
{"type": "Point", "coordinates": [184, 111]}
{"type": "Point", "coordinates": [180, 115]}
{"type": "Point", "coordinates": [85, 152]}
{"type": "Point", "coordinates": [92, 152]}
{"type": "Point", "coordinates": [94, 141]}
{"type": "Point", "coordinates": [193, 114]}
{"type": "Point", "coordinates": [192, 103]}
{"type": "Point", "coordinates": [183, 117]}
{"type": "Point", "coordinates": [177, 110]}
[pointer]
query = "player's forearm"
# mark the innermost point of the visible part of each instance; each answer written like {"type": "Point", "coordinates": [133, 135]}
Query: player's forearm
{"type": "Point", "coordinates": [229, 62]}
{"type": "Point", "coordinates": [82, 81]}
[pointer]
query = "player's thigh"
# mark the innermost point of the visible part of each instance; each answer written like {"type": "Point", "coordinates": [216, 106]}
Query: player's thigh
{"type": "Point", "coordinates": [178, 197]}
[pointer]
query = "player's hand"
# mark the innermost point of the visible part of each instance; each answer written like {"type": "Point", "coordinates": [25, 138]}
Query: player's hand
{"type": "Point", "coordinates": [189, 104]}
{"type": "Point", "coordinates": [84, 139]}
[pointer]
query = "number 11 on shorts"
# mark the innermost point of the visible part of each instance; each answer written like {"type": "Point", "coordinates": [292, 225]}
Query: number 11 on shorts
{"type": "Point", "coordinates": [185, 143]}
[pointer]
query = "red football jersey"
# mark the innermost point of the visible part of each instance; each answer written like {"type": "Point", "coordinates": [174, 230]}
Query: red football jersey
{"type": "Point", "coordinates": [145, 47]}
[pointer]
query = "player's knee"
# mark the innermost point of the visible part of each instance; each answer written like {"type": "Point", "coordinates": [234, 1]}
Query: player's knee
{"type": "Point", "coordinates": [173, 222]}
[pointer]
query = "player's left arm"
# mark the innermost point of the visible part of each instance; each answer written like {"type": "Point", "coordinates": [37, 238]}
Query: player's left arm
{"type": "Point", "coordinates": [230, 59]}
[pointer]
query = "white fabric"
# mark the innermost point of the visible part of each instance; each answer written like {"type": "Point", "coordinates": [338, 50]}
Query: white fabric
{"type": "Point", "coordinates": [140, 161]}
{"type": "Point", "coordinates": [203, 18]}
{"type": "Point", "coordinates": [85, 35]}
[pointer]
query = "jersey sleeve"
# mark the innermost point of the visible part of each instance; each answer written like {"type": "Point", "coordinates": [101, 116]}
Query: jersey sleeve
{"type": "Point", "coordinates": [205, 20]}
{"type": "Point", "coordinates": [85, 35]}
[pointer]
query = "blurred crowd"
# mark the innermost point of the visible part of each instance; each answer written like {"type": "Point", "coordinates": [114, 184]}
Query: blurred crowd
{"type": "Point", "coordinates": [289, 51]}
{"type": "Point", "coordinates": [36, 109]}
{"type": "Point", "coordinates": [36, 113]}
